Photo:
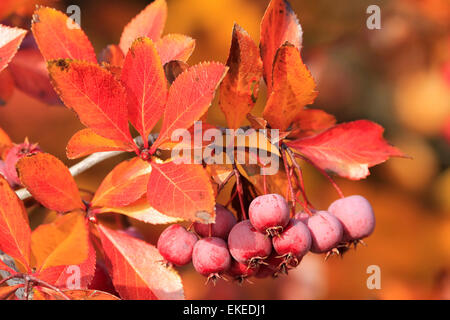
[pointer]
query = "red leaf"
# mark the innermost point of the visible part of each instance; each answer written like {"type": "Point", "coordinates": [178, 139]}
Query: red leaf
{"type": "Point", "coordinates": [125, 184]}
{"type": "Point", "coordinates": [175, 47]}
{"type": "Point", "coordinates": [6, 292]}
{"type": "Point", "coordinates": [148, 23]}
{"type": "Point", "coordinates": [42, 293]}
{"type": "Point", "coordinates": [293, 88]}
{"type": "Point", "coordinates": [239, 89]}
{"type": "Point", "coordinates": [5, 142]}
{"type": "Point", "coordinates": [95, 95]}
{"type": "Point", "coordinates": [146, 86]}
{"type": "Point", "coordinates": [189, 98]}
{"type": "Point", "coordinates": [15, 233]}
{"type": "Point", "coordinates": [136, 268]}
{"type": "Point", "coordinates": [10, 40]}
{"type": "Point", "coordinates": [50, 182]}
{"type": "Point", "coordinates": [58, 37]}
{"type": "Point", "coordinates": [5, 267]}
{"type": "Point", "coordinates": [181, 191]}
{"type": "Point", "coordinates": [347, 149]}
{"type": "Point", "coordinates": [279, 25]}
{"type": "Point", "coordinates": [310, 122]}
{"type": "Point", "coordinates": [86, 142]}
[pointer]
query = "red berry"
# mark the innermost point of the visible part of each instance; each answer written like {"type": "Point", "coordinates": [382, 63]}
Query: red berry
{"type": "Point", "coordinates": [272, 267]}
{"type": "Point", "coordinates": [225, 220]}
{"type": "Point", "coordinates": [247, 245]}
{"type": "Point", "coordinates": [175, 244]}
{"type": "Point", "coordinates": [326, 231]}
{"type": "Point", "coordinates": [240, 271]}
{"type": "Point", "coordinates": [14, 154]}
{"type": "Point", "coordinates": [293, 243]}
{"type": "Point", "coordinates": [356, 216]}
{"type": "Point", "coordinates": [211, 257]}
{"type": "Point", "coordinates": [269, 213]}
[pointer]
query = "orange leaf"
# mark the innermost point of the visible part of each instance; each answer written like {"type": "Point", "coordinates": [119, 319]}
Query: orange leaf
{"type": "Point", "coordinates": [95, 95]}
{"type": "Point", "coordinates": [59, 37]}
{"type": "Point", "coordinates": [6, 87]}
{"type": "Point", "coordinates": [62, 242]}
{"type": "Point", "coordinates": [112, 55]}
{"type": "Point", "coordinates": [42, 293]}
{"type": "Point", "coordinates": [175, 47]}
{"type": "Point", "coordinates": [10, 40]}
{"type": "Point", "coordinates": [146, 86]}
{"type": "Point", "coordinates": [239, 89]}
{"type": "Point", "coordinates": [148, 23]}
{"type": "Point", "coordinates": [6, 292]}
{"type": "Point", "coordinates": [15, 233]}
{"type": "Point", "coordinates": [293, 88]}
{"type": "Point", "coordinates": [125, 184]}
{"type": "Point", "coordinates": [189, 98]}
{"type": "Point", "coordinates": [310, 122]}
{"type": "Point", "coordinates": [50, 182]}
{"type": "Point", "coordinates": [5, 142]}
{"type": "Point", "coordinates": [279, 25]}
{"type": "Point", "coordinates": [136, 268]}
{"type": "Point", "coordinates": [143, 211]}
{"type": "Point", "coordinates": [86, 142]}
{"type": "Point", "coordinates": [181, 191]}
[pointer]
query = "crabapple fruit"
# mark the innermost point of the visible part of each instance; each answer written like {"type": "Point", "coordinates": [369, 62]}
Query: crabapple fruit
{"type": "Point", "coordinates": [225, 220]}
{"type": "Point", "coordinates": [269, 213]}
{"type": "Point", "coordinates": [175, 244]}
{"type": "Point", "coordinates": [293, 243]}
{"type": "Point", "coordinates": [326, 231]}
{"type": "Point", "coordinates": [240, 271]}
{"type": "Point", "coordinates": [272, 267]}
{"type": "Point", "coordinates": [211, 257]}
{"type": "Point", "coordinates": [356, 216]}
{"type": "Point", "coordinates": [247, 245]}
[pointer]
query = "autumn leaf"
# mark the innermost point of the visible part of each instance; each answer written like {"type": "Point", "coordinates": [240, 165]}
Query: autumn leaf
{"type": "Point", "coordinates": [6, 292]}
{"type": "Point", "coordinates": [279, 25]}
{"type": "Point", "coordinates": [86, 141]}
{"type": "Point", "coordinates": [50, 182]}
{"type": "Point", "coordinates": [5, 143]}
{"type": "Point", "coordinates": [10, 40]}
{"type": "Point", "coordinates": [347, 149]}
{"type": "Point", "coordinates": [239, 88]}
{"type": "Point", "coordinates": [310, 122]}
{"type": "Point", "coordinates": [59, 37]}
{"type": "Point", "coordinates": [175, 47]}
{"type": "Point", "coordinates": [181, 191]}
{"type": "Point", "coordinates": [148, 23]}
{"type": "Point", "coordinates": [6, 87]}
{"type": "Point", "coordinates": [136, 268]}
{"type": "Point", "coordinates": [15, 233]}
{"type": "Point", "coordinates": [5, 267]}
{"type": "Point", "coordinates": [293, 88]}
{"type": "Point", "coordinates": [146, 86]}
{"type": "Point", "coordinates": [189, 98]}
{"type": "Point", "coordinates": [62, 242]}
{"type": "Point", "coordinates": [125, 184]}
{"type": "Point", "coordinates": [95, 95]}
{"type": "Point", "coordinates": [42, 293]}
{"type": "Point", "coordinates": [143, 211]}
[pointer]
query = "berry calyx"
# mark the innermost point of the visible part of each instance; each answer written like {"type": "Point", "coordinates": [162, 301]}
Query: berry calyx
{"type": "Point", "coordinates": [176, 244]}
{"type": "Point", "coordinates": [269, 213]}
{"type": "Point", "coordinates": [225, 220]}
{"type": "Point", "coordinates": [247, 245]}
{"type": "Point", "coordinates": [240, 271]}
{"type": "Point", "coordinates": [211, 258]}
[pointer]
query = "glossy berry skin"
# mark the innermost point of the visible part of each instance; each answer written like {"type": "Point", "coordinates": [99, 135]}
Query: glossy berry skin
{"type": "Point", "coordinates": [211, 256]}
{"type": "Point", "coordinates": [295, 240]}
{"type": "Point", "coordinates": [356, 216]}
{"type": "Point", "coordinates": [269, 213]}
{"type": "Point", "coordinates": [326, 231]}
{"type": "Point", "coordinates": [247, 244]}
{"type": "Point", "coordinates": [225, 220]}
{"type": "Point", "coordinates": [176, 244]}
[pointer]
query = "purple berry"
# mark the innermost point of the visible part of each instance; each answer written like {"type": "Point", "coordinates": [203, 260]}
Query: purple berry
{"type": "Point", "coordinates": [269, 213]}
{"type": "Point", "coordinates": [175, 244]}
{"type": "Point", "coordinates": [225, 220]}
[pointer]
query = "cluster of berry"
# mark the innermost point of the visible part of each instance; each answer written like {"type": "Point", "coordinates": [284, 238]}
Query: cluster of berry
{"type": "Point", "coordinates": [269, 242]}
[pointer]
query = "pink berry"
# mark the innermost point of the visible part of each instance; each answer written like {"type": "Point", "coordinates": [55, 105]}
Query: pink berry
{"type": "Point", "coordinates": [269, 213]}
{"type": "Point", "coordinates": [211, 257]}
{"type": "Point", "coordinates": [225, 220]}
{"type": "Point", "coordinates": [326, 231]}
{"type": "Point", "coordinates": [240, 271]}
{"type": "Point", "coordinates": [294, 242]}
{"type": "Point", "coordinates": [14, 154]}
{"type": "Point", "coordinates": [175, 244]}
{"type": "Point", "coordinates": [247, 245]}
{"type": "Point", "coordinates": [272, 267]}
{"type": "Point", "coordinates": [356, 216]}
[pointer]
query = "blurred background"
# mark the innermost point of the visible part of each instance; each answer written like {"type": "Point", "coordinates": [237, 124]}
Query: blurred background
{"type": "Point", "coordinates": [398, 76]}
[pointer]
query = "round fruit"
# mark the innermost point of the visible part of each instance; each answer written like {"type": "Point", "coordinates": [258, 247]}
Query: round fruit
{"type": "Point", "coordinates": [211, 257]}
{"type": "Point", "coordinates": [269, 213]}
{"type": "Point", "coordinates": [326, 231]}
{"type": "Point", "coordinates": [175, 244]}
{"type": "Point", "coordinates": [240, 271]}
{"type": "Point", "coordinates": [272, 267]}
{"type": "Point", "coordinates": [356, 216]}
{"type": "Point", "coordinates": [225, 220]}
{"type": "Point", "coordinates": [293, 243]}
{"type": "Point", "coordinates": [247, 245]}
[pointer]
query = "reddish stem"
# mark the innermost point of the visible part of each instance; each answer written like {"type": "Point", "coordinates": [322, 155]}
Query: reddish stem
{"type": "Point", "coordinates": [288, 173]}
{"type": "Point", "coordinates": [240, 191]}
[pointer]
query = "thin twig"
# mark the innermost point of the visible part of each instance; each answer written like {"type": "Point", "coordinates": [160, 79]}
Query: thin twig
{"type": "Point", "coordinates": [288, 173]}
{"type": "Point", "coordinates": [240, 191]}
{"type": "Point", "coordinates": [300, 178]}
